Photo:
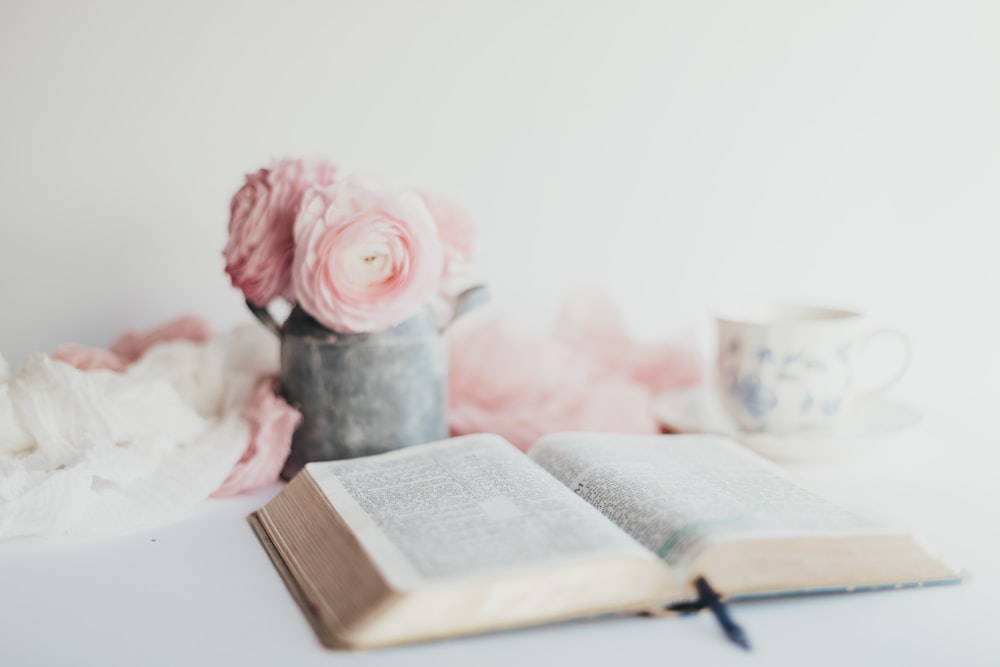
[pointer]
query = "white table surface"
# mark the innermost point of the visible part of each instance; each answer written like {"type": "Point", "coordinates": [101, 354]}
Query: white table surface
{"type": "Point", "coordinates": [201, 591]}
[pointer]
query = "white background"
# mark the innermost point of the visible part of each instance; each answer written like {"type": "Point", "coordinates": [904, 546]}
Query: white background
{"type": "Point", "coordinates": [676, 154]}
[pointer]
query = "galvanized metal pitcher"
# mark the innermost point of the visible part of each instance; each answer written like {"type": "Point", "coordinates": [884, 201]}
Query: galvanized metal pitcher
{"type": "Point", "coordinates": [363, 393]}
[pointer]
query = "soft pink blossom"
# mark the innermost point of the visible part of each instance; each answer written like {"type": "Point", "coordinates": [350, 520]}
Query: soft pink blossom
{"type": "Point", "coordinates": [366, 258]}
{"type": "Point", "coordinates": [131, 345]}
{"type": "Point", "coordinates": [457, 232]}
{"type": "Point", "coordinates": [262, 214]}
{"type": "Point", "coordinates": [272, 423]}
{"type": "Point", "coordinates": [89, 358]}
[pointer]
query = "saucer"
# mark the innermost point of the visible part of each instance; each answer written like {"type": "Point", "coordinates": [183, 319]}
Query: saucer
{"type": "Point", "coordinates": [697, 411]}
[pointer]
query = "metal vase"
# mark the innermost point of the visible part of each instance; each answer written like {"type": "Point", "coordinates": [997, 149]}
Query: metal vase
{"type": "Point", "coordinates": [364, 393]}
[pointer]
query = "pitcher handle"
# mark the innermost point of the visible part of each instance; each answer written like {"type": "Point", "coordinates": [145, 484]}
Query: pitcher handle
{"type": "Point", "coordinates": [265, 317]}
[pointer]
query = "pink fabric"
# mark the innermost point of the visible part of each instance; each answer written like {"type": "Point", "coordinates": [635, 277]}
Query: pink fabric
{"type": "Point", "coordinates": [457, 232]}
{"type": "Point", "coordinates": [262, 214]}
{"type": "Point", "coordinates": [510, 378]}
{"type": "Point", "coordinates": [131, 345]}
{"type": "Point", "coordinates": [366, 258]}
{"type": "Point", "coordinates": [272, 423]}
{"type": "Point", "coordinates": [89, 358]}
{"type": "Point", "coordinates": [592, 325]}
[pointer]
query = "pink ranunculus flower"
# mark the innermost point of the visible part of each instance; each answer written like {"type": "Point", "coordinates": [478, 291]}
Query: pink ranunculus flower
{"type": "Point", "coordinates": [262, 214]}
{"type": "Point", "coordinates": [366, 257]}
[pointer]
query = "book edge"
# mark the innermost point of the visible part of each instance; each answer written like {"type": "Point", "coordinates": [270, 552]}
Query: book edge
{"type": "Point", "coordinates": [326, 637]}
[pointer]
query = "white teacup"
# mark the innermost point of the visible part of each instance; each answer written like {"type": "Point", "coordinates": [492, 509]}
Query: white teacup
{"type": "Point", "coordinates": [784, 369]}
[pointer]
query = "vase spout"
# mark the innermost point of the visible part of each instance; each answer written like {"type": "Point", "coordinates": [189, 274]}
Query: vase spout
{"type": "Point", "coordinates": [470, 299]}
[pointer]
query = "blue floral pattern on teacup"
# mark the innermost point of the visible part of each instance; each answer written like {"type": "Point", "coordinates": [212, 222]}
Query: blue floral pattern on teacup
{"type": "Point", "coordinates": [793, 383]}
{"type": "Point", "coordinates": [755, 398]}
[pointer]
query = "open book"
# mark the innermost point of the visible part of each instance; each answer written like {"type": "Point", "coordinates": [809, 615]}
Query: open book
{"type": "Point", "coordinates": [470, 535]}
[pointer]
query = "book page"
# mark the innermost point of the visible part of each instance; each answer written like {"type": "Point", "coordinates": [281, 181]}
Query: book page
{"type": "Point", "coordinates": [677, 494]}
{"type": "Point", "coordinates": [463, 507]}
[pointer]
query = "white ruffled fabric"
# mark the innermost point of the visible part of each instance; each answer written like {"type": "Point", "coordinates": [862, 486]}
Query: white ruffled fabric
{"type": "Point", "coordinates": [87, 452]}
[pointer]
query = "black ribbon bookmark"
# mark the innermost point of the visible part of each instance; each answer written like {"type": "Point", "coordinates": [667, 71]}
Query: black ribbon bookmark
{"type": "Point", "coordinates": [709, 599]}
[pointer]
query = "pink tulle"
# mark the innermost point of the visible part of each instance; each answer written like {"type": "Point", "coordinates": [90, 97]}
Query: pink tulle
{"type": "Point", "coordinates": [593, 326]}
{"type": "Point", "coordinates": [89, 358]}
{"type": "Point", "coordinates": [131, 345]}
{"type": "Point", "coordinates": [510, 378]}
{"type": "Point", "coordinates": [272, 423]}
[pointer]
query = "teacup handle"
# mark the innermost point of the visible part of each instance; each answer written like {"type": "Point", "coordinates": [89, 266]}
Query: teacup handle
{"type": "Point", "coordinates": [896, 375]}
{"type": "Point", "coordinates": [265, 317]}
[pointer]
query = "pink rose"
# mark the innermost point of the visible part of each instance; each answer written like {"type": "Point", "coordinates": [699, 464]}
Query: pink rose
{"type": "Point", "coordinates": [457, 233]}
{"type": "Point", "coordinates": [366, 258]}
{"type": "Point", "coordinates": [262, 215]}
